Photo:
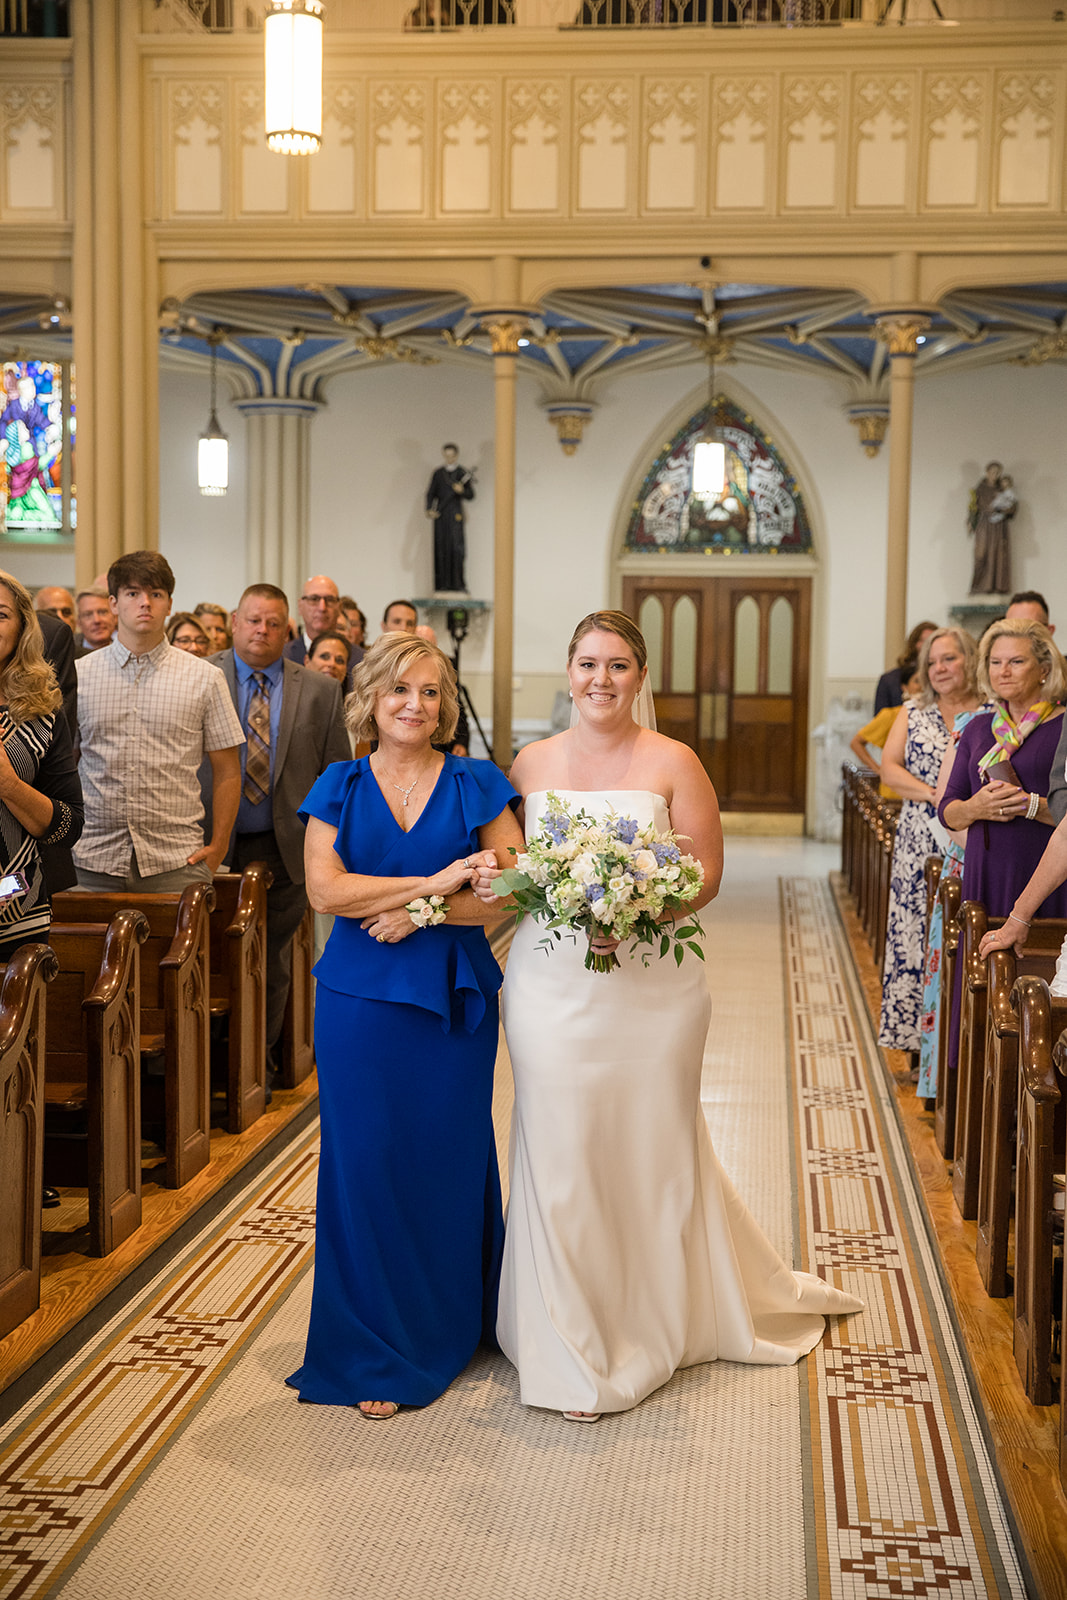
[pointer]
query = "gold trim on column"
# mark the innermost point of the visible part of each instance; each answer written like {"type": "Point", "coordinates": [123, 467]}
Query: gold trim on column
{"type": "Point", "coordinates": [900, 333]}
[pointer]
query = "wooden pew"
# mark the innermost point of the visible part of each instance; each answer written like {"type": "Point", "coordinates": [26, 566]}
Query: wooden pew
{"type": "Point", "coordinates": [175, 988]}
{"type": "Point", "coordinates": [1000, 1094]}
{"type": "Point", "coordinates": [298, 1030]}
{"type": "Point", "coordinates": [1041, 1152]}
{"type": "Point", "coordinates": [23, 1035]}
{"type": "Point", "coordinates": [888, 815]}
{"type": "Point", "coordinates": [931, 878]}
{"type": "Point", "coordinates": [950, 895]}
{"type": "Point", "coordinates": [239, 986]}
{"type": "Point", "coordinates": [93, 1070]}
{"type": "Point", "coordinates": [1043, 946]}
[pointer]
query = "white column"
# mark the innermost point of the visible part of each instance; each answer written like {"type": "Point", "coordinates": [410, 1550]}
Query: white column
{"type": "Point", "coordinates": [279, 491]}
{"type": "Point", "coordinates": [504, 334]}
{"type": "Point", "coordinates": [900, 334]}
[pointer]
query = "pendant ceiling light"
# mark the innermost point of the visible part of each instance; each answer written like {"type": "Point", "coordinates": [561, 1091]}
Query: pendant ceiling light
{"type": "Point", "coordinates": [292, 51]}
{"type": "Point", "coordinates": [709, 452]}
{"type": "Point", "coordinates": [213, 453]}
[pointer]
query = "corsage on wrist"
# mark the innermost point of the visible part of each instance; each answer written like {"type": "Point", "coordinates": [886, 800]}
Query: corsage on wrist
{"type": "Point", "coordinates": [428, 910]}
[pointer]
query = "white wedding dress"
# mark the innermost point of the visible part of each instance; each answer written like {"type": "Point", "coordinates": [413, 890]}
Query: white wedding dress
{"type": "Point", "coordinates": [628, 1252]}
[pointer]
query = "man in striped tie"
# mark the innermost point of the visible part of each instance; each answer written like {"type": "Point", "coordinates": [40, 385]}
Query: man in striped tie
{"type": "Point", "coordinates": [294, 729]}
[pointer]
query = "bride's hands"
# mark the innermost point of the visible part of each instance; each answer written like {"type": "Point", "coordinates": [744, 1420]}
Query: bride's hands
{"type": "Point", "coordinates": [459, 874]}
{"type": "Point", "coordinates": [482, 882]}
{"type": "Point", "coordinates": [601, 945]}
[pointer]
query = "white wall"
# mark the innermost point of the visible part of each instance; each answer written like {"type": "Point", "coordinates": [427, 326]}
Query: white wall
{"type": "Point", "coordinates": [377, 441]}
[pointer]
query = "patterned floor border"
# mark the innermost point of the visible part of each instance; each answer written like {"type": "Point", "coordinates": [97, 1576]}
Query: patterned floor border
{"type": "Point", "coordinates": [66, 1463]}
{"type": "Point", "coordinates": [905, 1497]}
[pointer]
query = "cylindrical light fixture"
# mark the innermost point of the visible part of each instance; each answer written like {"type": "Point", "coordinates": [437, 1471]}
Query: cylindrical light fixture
{"type": "Point", "coordinates": [213, 451]}
{"type": "Point", "coordinates": [292, 53]}
{"type": "Point", "coordinates": [709, 452]}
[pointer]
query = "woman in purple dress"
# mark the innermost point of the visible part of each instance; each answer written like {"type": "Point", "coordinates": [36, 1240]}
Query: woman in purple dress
{"type": "Point", "coordinates": [1001, 773]}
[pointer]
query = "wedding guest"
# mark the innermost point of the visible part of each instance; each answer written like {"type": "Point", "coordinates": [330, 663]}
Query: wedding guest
{"type": "Point", "coordinates": [95, 622]}
{"type": "Point", "coordinates": [186, 633]}
{"type": "Point", "coordinates": [215, 621]}
{"type": "Point", "coordinates": [890, 690]}
{"type": "Point", "coordinates": [1031, 605]}
{"type": "Point", "coordinates": [331, 653]}
{"type": "Point", "coordinates": [320, 607]}
{"type": "Point", "coordinates": [408, 1221]}
{"type": "Point", "coordinates": [40, 794]}
{"type": "Point", "coordinates": [910, 764]}
{"type": "Point", "coordinates": [877, 731]}
{"type": "Point", "coordinates": [357, 622]}
{"type": "Point", "coordinates": [55, 602]}
{"type": "Point", "coordinates": [400, 616]}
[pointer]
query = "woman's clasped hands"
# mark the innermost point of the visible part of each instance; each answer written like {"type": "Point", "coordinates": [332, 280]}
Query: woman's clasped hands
{"type": "Point", "coordinates": [389, 927]}
{"type": "Point", "coordinates": [999, 802]}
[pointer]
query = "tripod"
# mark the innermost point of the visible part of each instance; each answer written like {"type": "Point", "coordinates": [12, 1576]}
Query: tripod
{"type": "Point", "coordinates": [889, 4]}
{"type": "Point", "coordinates": [458, 628]}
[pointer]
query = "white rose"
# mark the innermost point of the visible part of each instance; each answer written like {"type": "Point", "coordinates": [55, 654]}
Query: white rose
{"type": "Point", "coordinates": [585, 869]}
{"type": "Point", "coordinates": [644, 861]}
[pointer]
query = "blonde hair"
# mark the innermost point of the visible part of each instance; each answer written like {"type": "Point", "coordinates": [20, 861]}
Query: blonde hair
{"type": "Point", "coordinates": [969, 649]}
{"type": "Point", "coordinates": [385, 663]}
{"type": "Point", "coordinates": [611, 622]}
{"type": "Point", "coordinates": [1045, 653]}
{"type": "Point", "coordinates": [27, 683]}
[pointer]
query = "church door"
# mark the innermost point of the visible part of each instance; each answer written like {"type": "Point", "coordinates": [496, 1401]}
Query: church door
{"type": "Point", "coordinates": [728, 658]}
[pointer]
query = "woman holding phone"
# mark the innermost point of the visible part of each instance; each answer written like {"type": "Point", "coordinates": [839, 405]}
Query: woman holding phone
{"type": "Point", "coordinates": [40, 793]}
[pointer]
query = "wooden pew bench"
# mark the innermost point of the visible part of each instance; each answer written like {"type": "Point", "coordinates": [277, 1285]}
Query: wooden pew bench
{"type": "Point", "coordinates": [1000, 1095]}
{"type": "Point", "coordinates": [1041, 1153]}
{"type": "Point", "coordinates": [175, 990]}
{"type": "Point", "coordinates": [92, 1071]}
{"type": "Point", "coordinates": [298, 1030]}
{"type": "Point", "coordinates": [1042, 948]}
{"type": "Point", "coordinates": [23, 1035]}
{"type": "Point", "coordinates": [239, 987]}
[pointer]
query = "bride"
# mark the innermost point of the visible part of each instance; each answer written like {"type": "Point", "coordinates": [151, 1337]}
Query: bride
{"type": "Point", "coordinates": [628, 1253]}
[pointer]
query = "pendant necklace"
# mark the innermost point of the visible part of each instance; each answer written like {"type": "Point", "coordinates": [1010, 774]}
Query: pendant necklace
{"type": "Point", "coordinates": [400, 788]}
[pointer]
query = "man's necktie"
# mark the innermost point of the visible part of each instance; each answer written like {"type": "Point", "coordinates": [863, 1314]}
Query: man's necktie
{"type": "Point", "coordinates": [257, 757]}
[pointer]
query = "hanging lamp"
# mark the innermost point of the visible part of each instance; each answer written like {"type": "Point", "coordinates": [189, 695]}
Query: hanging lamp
{"type": "Point", "coordinates": [292, 57]}
{"type": "Point", "coordinates": [213, 451]}
{"type": "Point", "coordinates": [709, 452]}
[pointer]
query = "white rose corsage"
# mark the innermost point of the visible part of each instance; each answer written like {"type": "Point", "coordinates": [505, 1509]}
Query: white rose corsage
{"type": "Point", "coordinates": [427, 911]}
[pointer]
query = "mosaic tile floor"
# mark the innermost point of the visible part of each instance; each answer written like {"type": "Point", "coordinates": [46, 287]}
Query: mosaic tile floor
{"type": "Point", "coordinates": [170, 1460]}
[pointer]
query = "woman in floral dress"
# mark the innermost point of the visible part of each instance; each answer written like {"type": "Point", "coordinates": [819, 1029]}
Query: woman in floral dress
{"type": "Point", "coordinates": [911, 764]}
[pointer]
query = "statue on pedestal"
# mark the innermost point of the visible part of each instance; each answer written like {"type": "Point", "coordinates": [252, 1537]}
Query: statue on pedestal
{"type": "Point", "coordinates": [450, 487]}
{"type": "Point", "coordinates": [993, 504]}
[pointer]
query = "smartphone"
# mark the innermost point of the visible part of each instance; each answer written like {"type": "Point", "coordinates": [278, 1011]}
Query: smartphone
{"type": "Point", "coordinates": [12, 885]}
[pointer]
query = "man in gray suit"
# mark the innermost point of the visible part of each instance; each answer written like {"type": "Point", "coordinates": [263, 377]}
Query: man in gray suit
{"type": "Point", "coordinates": [294, 729]}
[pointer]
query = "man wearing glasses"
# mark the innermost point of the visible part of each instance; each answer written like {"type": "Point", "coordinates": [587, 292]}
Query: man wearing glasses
{"type": "Point", "coordinates": [320, 607]}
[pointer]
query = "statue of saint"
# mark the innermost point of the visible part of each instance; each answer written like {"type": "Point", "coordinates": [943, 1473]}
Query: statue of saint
{"type": "Point", "coordinates": [993, 504]}
{"type": "Point", "coordinates": [450, 487]}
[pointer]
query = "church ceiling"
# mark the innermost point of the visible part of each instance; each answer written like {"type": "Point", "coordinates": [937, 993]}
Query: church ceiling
{"type": "Point", "coordinates": [290, 341]}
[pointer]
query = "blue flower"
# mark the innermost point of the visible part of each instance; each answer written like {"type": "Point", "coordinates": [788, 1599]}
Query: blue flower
{"type": "Point", "coordinates": [556, 825]}
{"type": "Point", "coordinates": [625, 828]}
{"type": "Point", "coordinates": [666, 852]}
{"type": "Point", "coordinates": [594, 891]}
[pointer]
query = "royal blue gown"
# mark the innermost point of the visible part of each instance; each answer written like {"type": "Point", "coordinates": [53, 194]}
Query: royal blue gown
{"type": "Point", "coordinates": [409, 1229]}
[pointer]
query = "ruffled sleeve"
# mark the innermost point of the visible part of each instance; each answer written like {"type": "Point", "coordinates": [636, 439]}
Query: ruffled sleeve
{"type": "Point", "coordinates": [483, 792]}
{"type": "Point", "coordinates": [327, 795]}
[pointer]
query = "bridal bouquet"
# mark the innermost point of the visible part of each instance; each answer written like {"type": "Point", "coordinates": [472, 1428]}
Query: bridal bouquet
{"type": "Point", "coordinates": [612, 877]}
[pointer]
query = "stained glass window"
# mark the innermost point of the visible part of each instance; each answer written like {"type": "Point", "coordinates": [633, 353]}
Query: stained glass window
{"type": "Point", "coordinates": [760, 511]}
{"type": "Point", "coordinates": [37, 500]}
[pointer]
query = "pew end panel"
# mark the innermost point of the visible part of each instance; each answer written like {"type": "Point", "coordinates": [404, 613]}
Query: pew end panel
{"type": "Point", "coordinates": [1041, 1152]}
{"type": "Point", "coordinates": [94, 1059]}
{"type": "Point", "coordinates": [23, 1038]}
{"type": "Point", "coordinates": [298, 1030]}
{"type": "Point", "coordinates": [949, 892]}
{"type": "Point", "coordinates": [1000, 1093]}
{"type": "Point", "coordinates": [239, 987]}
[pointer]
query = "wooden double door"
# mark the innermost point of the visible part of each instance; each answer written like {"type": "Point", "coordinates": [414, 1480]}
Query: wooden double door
{"type": "Point", "coordinates": [728, 659]}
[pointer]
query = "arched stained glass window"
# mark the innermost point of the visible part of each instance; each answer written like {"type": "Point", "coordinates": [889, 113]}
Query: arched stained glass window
{"type": "Point", "coordinates": [759, 512]}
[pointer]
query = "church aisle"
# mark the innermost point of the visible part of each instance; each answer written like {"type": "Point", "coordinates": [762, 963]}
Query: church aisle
{"type": "Point", "coordinates": [170, 1460]}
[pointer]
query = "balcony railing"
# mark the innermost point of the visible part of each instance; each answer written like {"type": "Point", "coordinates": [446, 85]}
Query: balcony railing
{"type": "Point", "coordinates": [448, 16]}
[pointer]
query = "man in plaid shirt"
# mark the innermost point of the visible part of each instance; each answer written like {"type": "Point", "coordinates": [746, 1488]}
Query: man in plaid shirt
{"type": "Point", "coordinates": [147, 715]}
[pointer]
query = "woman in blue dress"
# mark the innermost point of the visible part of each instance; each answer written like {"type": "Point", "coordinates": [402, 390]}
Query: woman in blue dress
{"type": "Point", "coordinates": [408, 1227]}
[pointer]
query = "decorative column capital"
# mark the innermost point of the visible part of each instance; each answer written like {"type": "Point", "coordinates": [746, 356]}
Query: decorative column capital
{"type": "Point", "coordinates": [872, 421]}
{"type": "Point", "coordinates": [277, 405]}
{"type": "Point", "coordinates": [900, 331]}
{"type": "Point", "coordinates": [569, 418]}
{"type": "Point", "coordinates": [505, 330]}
